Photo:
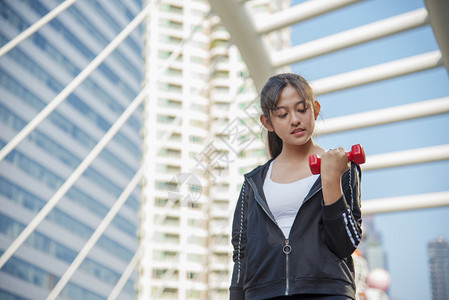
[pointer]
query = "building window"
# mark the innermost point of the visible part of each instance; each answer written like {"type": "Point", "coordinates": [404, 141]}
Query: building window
{"type": "Point", "coordinates": [170, 152]}
{"type": "Point", "coordinates": [165, 119]}
{"type": "Point", "coordinates": [171, 8]}
{"type": "Point", "coordinates": [221, 89]}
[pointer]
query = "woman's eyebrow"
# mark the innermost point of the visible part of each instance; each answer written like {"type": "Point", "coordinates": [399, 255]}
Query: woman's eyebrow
{"type": "Point", "coordinates": [285, 107]}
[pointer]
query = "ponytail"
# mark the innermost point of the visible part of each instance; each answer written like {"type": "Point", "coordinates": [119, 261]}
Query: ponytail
{"type": "Point", "coordinates": [274, 144]}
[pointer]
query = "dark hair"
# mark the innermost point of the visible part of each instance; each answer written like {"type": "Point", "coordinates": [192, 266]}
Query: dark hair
{"type": "Point", "coordinates": [269, 99]}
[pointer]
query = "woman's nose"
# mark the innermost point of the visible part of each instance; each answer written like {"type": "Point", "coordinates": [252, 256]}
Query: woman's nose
{"type": "Point", "coordinates": [294, 121]}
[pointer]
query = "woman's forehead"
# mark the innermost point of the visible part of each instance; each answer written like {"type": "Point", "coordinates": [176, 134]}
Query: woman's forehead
{"type": "Point", "coordinates": [289, 96]}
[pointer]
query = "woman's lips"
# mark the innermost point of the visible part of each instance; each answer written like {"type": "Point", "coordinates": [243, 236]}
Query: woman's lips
{"type": "Point", "coordinates": [298, 131]}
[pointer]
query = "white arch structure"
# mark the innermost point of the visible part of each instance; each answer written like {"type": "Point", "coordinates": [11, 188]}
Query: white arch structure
{"type": "Point", "coordinates": [247, 34]}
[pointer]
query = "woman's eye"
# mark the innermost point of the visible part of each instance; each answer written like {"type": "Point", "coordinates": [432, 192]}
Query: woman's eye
{"type": "Point", "coordinates": [282, 116]}
{"type": "Point", "coordinates": [302, 108]}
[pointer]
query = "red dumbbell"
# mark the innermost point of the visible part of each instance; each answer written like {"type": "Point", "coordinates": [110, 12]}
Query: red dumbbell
{"type": "Point", "coordinates": [357, 155]}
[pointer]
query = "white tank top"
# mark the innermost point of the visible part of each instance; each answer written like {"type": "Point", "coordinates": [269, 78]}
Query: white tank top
{"type": "Point", "coordinates": [285, 199]}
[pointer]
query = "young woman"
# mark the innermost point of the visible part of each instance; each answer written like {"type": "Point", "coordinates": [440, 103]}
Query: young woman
{"type": "Point", "coordinates": [294, 232]}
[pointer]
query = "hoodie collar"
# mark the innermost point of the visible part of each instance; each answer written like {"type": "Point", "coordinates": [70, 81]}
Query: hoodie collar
{"type": "Point", "coordinates": [256, 179]}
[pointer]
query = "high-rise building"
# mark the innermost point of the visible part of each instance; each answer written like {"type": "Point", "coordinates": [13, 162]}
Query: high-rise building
{"type": "Point", "coordinates": [31, 75]}
{"type": "Point", "coordinates": [201, 133]}
{"type": "Point", "coordinates": [371, 246]}
{"type": "Point", "coordinates": [438, 254]}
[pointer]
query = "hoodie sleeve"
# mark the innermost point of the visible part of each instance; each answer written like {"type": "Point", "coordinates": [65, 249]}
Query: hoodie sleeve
{"type": "Point", "coordinates": [343, 219]}
{"type": "Point", "coordinates": [239, 245]}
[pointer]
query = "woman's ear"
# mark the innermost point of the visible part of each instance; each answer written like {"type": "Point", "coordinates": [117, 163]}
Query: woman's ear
{"type": "Point", "coordinates": [316, 108]}
{"type": "Point", "coordinates": [266, 123]}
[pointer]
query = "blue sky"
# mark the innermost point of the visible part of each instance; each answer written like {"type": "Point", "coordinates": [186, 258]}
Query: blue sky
{"type": "Point", "coordinates": [405, 234]}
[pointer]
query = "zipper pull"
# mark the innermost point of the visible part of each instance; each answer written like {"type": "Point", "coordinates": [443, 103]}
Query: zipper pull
{"type": "Point", "coordinates": [287, 248]}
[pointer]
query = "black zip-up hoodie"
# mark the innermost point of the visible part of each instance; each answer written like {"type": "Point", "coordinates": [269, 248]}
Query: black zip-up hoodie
{"type": "Point", "coordinates": [316, 257]}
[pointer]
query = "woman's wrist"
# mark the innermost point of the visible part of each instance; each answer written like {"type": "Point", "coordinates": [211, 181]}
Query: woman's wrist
{"type": "Point", "coordinates": [332, 190]}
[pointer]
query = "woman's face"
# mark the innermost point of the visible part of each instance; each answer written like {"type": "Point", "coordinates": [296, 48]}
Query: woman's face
{"type": "Point", "coordinates": [293, 119]}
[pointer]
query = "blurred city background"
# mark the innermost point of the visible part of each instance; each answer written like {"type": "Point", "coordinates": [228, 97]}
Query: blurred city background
{"type": "Point", "coordinates": [126, 128]}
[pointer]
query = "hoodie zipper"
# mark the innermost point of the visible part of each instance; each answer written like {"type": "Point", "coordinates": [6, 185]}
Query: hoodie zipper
{"type": "Point", "coordinates": [287, 249]}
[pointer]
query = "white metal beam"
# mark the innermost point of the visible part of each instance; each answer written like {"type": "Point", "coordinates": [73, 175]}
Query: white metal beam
{"type": "Point", "coordinates": [404, 203]}
{"type": "Point", "coordinates": [36, 26]}
{"type": "Point", "coordinates": [237, 20]}
{"type": "Point", "coordinates": [378, 72]}
{"type": "Point", "coordinates": [126, 274]}
{"type": "Point", "coordinates": [407, 157]}
{"type": "Point", "coordinates": [82, 254]}
{"type": "Point", "coordinates": [62, 96]}
{"type": "Point", "coordinates": [298, 13]}
{"type": "Point", "coordinates": [351, 37]}
{"type": "Point", "coordinates": [438, 11]}
{"type": "Point", "coordinates": [82, 167]}
{"type": "Point", "coordinates": [67, 185]}
{"type": "Point", "coordinates": [383, 116]}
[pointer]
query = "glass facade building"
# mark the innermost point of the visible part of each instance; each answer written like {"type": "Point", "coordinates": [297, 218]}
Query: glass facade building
{"type": "Point", "coordinates": [31, 75]}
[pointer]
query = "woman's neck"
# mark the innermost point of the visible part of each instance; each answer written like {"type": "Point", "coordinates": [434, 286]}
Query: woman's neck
{"type": "Point", "coordinates": [299, 153]}
{"type": "Point", "coordinates": [292, 164]}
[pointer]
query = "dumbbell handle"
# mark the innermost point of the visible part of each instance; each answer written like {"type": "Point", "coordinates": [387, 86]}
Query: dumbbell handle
{"type": "Point", "coordinates": [357, 155]}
